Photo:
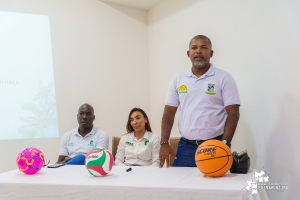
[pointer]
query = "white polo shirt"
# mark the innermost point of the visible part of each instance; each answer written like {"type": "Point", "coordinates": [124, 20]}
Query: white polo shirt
{"type": "Point", "coordinates": [73, 144]}
{"type": "Point", "coordinates": [144, 152]}
{"type": "Point", "coordinates": [202, 102]}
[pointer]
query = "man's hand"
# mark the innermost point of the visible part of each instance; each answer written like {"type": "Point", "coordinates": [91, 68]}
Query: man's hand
{"type": "Point", "coordinates": [165, 151]}
{"type": "Point", "coordinates": [61, 160]}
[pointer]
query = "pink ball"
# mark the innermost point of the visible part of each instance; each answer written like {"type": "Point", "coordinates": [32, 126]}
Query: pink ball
{"type": "Point", "coordinates": [30, 160]}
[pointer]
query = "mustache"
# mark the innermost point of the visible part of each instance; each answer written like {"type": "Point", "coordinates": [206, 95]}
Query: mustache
{"type": "Point", "coordinates": [198, 56]}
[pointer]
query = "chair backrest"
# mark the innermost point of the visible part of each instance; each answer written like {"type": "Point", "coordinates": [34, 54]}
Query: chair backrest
{"type": "Point", "coordinates": [115, 143]}
{"type": "Point", "coordinates": [174, 145]}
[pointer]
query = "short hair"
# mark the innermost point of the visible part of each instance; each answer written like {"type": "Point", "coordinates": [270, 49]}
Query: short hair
{"type": "Point", "coordinates": [201, 37]}
{"type": "Point", "coordinates": [130, 129]}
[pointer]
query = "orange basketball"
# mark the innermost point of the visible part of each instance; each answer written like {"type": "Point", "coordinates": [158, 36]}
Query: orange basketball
{"type": "Point", "coordinates": [213, 158]}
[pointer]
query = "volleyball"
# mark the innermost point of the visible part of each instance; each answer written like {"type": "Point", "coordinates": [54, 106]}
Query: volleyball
{"type": "Point", "coordinates": [99, 162]}
{"type": "Point", "coordinates": [213, 158]}
{"type": "Point", "coordinates": [30, 160]}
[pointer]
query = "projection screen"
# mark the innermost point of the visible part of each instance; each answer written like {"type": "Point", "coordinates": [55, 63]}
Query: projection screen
{"type": "Point", "coordinates": [27, 89]}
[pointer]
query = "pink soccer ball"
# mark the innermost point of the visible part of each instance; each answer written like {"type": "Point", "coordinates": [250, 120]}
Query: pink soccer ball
{"type": "Point", "coordinates": [30, 160]}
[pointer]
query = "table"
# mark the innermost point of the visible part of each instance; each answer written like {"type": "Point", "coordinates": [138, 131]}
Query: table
{"type": "Point", "coordinates": [74, 182]}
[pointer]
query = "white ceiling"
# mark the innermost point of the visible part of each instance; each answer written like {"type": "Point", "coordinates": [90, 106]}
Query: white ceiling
{"type": "Point", "coordinates": [142, 4]}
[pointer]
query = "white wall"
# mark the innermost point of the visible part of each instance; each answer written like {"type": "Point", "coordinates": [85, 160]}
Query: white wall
{"type": "Point", "coordinates": [100, 56]}
{"type": "Point", "coordinates": [258, 43]}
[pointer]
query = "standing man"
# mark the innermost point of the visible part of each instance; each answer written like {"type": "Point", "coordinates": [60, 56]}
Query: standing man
{"type": "Point", "coordinates": [76, 143]}
{"type": "Point", "coordinates": [209, 105]}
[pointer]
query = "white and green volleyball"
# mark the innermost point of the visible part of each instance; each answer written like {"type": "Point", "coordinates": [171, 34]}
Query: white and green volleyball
{"type": "Point", "coordinates": [99, 162]}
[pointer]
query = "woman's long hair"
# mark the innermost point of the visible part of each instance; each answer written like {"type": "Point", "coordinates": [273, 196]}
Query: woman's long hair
{"type": "Point", "coordinates": [130, 129]}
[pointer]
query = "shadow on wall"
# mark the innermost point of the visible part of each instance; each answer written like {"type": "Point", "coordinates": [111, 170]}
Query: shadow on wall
{"type": "Point", "coordinates": [281, 158]}
{"type": "Point", "coordinates": [134, 13]}
{"type": "Point", "coordinates": [169, 7]}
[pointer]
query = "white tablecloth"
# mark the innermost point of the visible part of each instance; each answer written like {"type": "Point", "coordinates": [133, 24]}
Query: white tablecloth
{"type": "Point", "coordinates": [75, 182]}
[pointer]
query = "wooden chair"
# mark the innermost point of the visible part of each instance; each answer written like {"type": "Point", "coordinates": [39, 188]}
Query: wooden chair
{"type": "Point", "coordinates": [174, 145]}
{"type": "Point", "coordinates": [115, 143]}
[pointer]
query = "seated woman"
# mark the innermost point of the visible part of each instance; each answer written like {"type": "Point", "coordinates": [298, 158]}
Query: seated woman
{"type": "Point", "coordinates": [139, 146]}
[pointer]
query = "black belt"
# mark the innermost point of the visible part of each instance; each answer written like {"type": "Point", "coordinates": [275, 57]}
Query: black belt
{"type": "Point", "coordinates": [197, 142]}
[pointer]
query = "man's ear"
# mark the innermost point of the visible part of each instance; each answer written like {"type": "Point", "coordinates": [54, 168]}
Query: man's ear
{"type": "Point", "coordinates": [94, 117]}
{"type": "Point", "coordinates": [188, 53]}
{"type": "Point", "coordinates": [211, 53]}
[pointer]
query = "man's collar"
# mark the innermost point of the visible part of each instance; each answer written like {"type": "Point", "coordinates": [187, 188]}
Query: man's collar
{"type": "Point", "coordinates": [210, 72]}
{"type": "Point", "coordinates": [93, 131]}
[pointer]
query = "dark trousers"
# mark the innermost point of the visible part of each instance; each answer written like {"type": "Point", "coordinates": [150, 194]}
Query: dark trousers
{"type": "Point", "coordinates": [186, 152]}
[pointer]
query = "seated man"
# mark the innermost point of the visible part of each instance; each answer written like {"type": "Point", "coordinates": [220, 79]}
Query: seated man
{"type": "Point", "coordinates": [76, 143]}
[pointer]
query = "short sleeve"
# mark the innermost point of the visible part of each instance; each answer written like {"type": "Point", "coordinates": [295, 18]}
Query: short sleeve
{"type": "Point", "coordinates": [172, 95]}
{"type": "Point", "coordinates": [230, 93]}
{"type": "Point", "coordinates": [103, 140]}
{"type": "Point", "coordinates": [63, 145]}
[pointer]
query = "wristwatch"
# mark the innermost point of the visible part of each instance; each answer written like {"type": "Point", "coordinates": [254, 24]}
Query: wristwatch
{"type": "Point", "coordinates": [226, 142]}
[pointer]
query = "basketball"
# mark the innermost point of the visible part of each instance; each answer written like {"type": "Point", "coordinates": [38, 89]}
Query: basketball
{"type": "Point", "coordinates": [99, 162]}
{"type": "Point", "coordinates": [213, 158]}
{"type": "Point", "coordinates": [30, 160]}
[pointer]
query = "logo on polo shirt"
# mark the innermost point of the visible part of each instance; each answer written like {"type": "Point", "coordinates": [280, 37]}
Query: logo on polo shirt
{"type": "Point", "coordinates": [211, 89]}
{"type": "Point", "coordinates": [71, 144]}
{"type": "Point", "coordinates": [129, 143]}
{"type": "Point", "coordinates": [91, 143]}
{"type": "Point", "coordinates": [182, 89]}
{"type": "Point", "coordinates": [147, 143]}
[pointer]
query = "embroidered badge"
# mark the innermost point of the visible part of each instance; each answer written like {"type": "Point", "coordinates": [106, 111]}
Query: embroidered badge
{"type": "Point", "coordinates": [71, 144]}
{"type": "Point", "coordinates": [211, 89]}
{"type": "Point", "coordinates": [129, 143]}
{"type": "Point", "coordinates": [91, 143]}
{"type": "Point", "coordinates": [147, 143]}
{"type": "Point", "coordinates": [182, 89]}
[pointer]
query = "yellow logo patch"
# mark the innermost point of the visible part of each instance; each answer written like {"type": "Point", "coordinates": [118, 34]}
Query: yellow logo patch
{"type": "Point", "coordinates": [182, 89]}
